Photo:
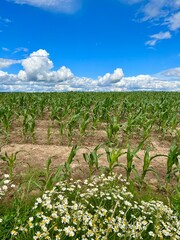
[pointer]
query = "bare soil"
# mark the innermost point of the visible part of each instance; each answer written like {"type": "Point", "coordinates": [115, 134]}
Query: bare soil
{"type": "Point", "coordinates": [34, 156]}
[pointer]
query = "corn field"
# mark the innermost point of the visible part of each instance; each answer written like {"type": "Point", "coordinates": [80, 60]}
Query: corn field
{"type": "Point", "coordinates": [101, 134]}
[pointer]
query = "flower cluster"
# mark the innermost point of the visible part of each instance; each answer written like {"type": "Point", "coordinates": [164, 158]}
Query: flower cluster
{"type": "Point", "coordinates": [4, 184]}
{"type": "Point", "coordinates": [97, 209]}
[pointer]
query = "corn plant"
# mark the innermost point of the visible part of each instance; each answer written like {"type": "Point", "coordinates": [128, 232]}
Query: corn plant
{"type": "Point", "coordinates": [146, 165]}
{"type": "Point", "coordinates": [112, 158]}
{"type": "Point", "coordinates": [92, 159]}
{"type": "Point", "coordinates": [6, 124]}
{"type": "Point", "coordinates": [56, 112]}
{"type": "Point", "coordinates": [5, 120]}
{"type": "Point", "coordinates": [11, 161]}
{"type": "Point", "coordinates": [112, 131]}
{"type": "Point", "coordinates": [173, 123]}
{"type": "Point", "coordinates": [83, 125]}
{"type": "Point", "coordinates": [50, 178]}
{"type": "Point", "coordinates": [69, 160]}
{"type": "Point", "coordinates": [71, 126]}
{"type": "Point", "coordinates": [62, 127]}
{"type": "Point", "coordinates": [174, 197]}
{"type": "Point", "coordinates": [172, 160]}
{"type": "Point", "coordinates": [128, 126]}
{"type": "Point", "coordinates": [96, 115]}
{"type": "Point", "coordinates": [147, 127]}
{"type": "Point", "coordinates": [178, 138]}
{"type": "Point", "coordinates": [131, 154]}
{"type": "Point", "coordinates": [28, 126]}
{"type": "Point", "coordinates": [48, 134]}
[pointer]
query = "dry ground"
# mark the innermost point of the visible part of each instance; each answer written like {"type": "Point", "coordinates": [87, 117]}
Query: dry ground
{"type": "Point", "coordinates": [34, 156]}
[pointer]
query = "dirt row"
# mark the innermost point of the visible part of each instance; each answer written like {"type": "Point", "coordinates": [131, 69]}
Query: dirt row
{"type": "Point", "coordinates": [34, 156]}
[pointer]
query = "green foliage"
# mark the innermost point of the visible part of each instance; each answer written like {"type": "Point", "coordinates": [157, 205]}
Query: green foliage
{"type": "Point", "coordinates": [102, 208]}
{"type": "Point", "coordinates": [172, 160]}
{"type": "Point", "coordinates": [174, 199]}
{"type": "Point", "coordinates": [92, 159]}
{"type": "Point", "coordinates": [146, 165]}
{"type": "Point", "coordinates": [112, 131]}
{"type": "Point", "coordinates": [10, 160]}
{"type": "Point", "coordinates": [130, 155]}
{"type": "Point", "coordinates": [28, 126]}
{"type": "Point", "coordinates": [48, 180]}
{"type": "Point", "coordinates": [52, 176]}
{"type": "Point", "coordinates": [112, 158]}
{"type": "Point", "coordinates": [120, 118]}
{"type": "Point", "coordinates": [6, 115]}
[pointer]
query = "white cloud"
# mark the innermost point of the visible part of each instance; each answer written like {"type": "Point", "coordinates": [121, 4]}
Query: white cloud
{"type": "Point", "coordinates": [21, 49]}
{"type": "Point", "coordinates": [4, 63]}
{"type": "Point", "coordinates": [173, 21]}
{"type": "Point", "coordinates": [159, 13]}
{"type": "Point", "coordinates": [148, 83]}
{"type": "Point", "coordinates": [136, 82]}
{"type": "Point", "coordinates": [155, 9]}
{"type": "Point", "coordinates": [3, 74]}
{"type": "Point", "coordinates": [38, 75]}
{"type": "Point", "coordinates": [5, 20]}
{"type": "Point", "coordinates": [174, 72]}
{"type": "Point", "coordinates": [131, 1]}
{"type": "Point", "coordinates": [176, 3]}
{"type": "Point", "coordinates": [161, 35]}
{"type": "Point", "coordinates": [7, 79]}
{"type": "Point", "coordinates": [61, 74]}
{"type": "Point", "coordinates": [109, 79]}
{"type": "Point", "coordinates": [5, 49]}
{"type": "Point", "coordinates": [151, 42]}
{"type": "Point", "coordinates": [37, 67]}
{"type": "Point", "coordinates": [66, 6]}
{"type": "Point", "coordinates": [157, 37]}
{"type": "Point", "coordinates": [163, 12]}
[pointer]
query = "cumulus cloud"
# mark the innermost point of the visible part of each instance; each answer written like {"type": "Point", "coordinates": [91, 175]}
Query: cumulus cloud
{"type": "Point", "coordinates": [148, 83]}
{"type": "Point", "coordinates": [38, 75]}
{"type": "Point", "coordinates": [66, 6]}
{"type": "Point", "coordinates": [136, 82]}
{"type": "Point", "coordinates": [7, 79]}
{"type": "Point", "coordinates": [3, 74]}
{"type": "Point", "coordinates": [158, 37]}
{"type": "Point", "coordinates": [37, 67]}
{"type": "Point", "coordinates": [5, 63]}
{"type": "Point", "coordinates": [109, 79]}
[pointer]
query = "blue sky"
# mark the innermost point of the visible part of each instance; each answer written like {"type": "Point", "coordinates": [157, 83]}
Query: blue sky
{"type": "Point", "coordinates": [89, 45]}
